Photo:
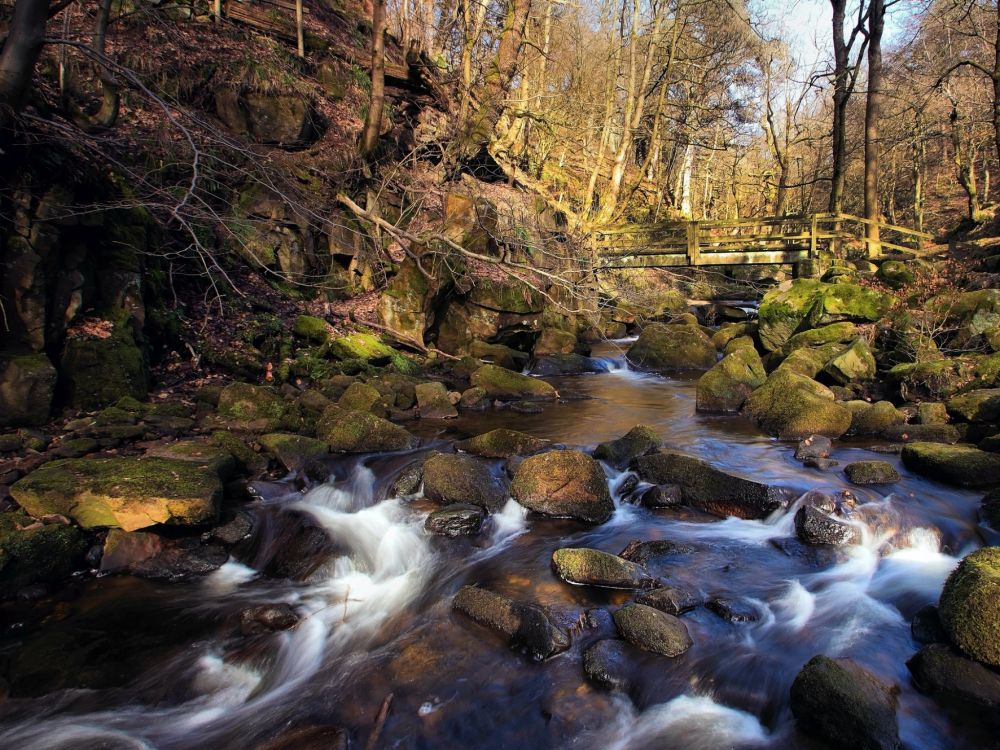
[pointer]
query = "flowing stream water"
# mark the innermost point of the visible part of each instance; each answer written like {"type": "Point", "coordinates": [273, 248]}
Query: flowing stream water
{"type": "Point", "coordinates": [377, 621]}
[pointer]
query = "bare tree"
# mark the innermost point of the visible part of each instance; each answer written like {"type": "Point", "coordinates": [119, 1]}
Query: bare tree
{"type": "Point", "coordinates": [376, 101]}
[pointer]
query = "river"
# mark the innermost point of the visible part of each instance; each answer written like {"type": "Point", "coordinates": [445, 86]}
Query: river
{"type": "Point", "coordinates": [377, 621]}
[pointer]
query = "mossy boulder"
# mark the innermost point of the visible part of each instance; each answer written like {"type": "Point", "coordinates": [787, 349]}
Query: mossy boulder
{"type": "Point", "coordinates": [808, 303]}
{"type": "Point", "coordinates": [458, 478]}
{"type": "Point", "coordinates": [666, 348]}
{"type": "Point", "coordinates": [347, 431]}
{"type": "Point", "coordinates": [564, 483]}
{"type": "Point", "coordinates": [968, 314]}
{"type": "Point", "coordinates": [652, 630]}
{"type": "Point", "coordinates": [475, 398]}
{"type": "Point", "coordinates": [502, 443]}
{"type": "Point", "coordinates": [895, 274]}
{"type": "Point", "coordinates": [506, 385]}
{"type": "Point", "coordinates": [954, 464]}
{"type": "Point", "coordinates": [932, 412]}
{"type": "Point", "coordinates": [371, 350]}
{"type": "Point", "coordinates": [210, 453]}
{"type": "Point", "coordinates": [729, 332]}
{"type": "Point", "coordinates": [434, 402]}
{"type": "Point", "coordinates": [294, 452]}
{"type": "Point", "coordinates": [620, 452]}
{"type": "Point", "coordinates": [554, 341]}
{"type": "Point", "coordinates": [128, 493]}
{"type": "Point", "coordinates": [34, 553]}
{"type": "Point", "coordinates": [970, 605]}
{"type": "Point", "coordinates": [710, 489]}
{"type": "Point", "coordinates": [312, 329]}
{"type": "Point", "coordinates": [592, 567]}
{"type": "Point", "coordinates": [742, 342]}
{"type": "Point", "coordinates": [27, 387]}
{"type": "Point", "coordinates": [835, 333]}
{"type": "Point", "coordinates": [96, 371]}
{"type": "Point", "coordinates": [509, 296]}
{"type": "Point", "coordinates": [808, 361]}
{"type": "Point", "coordinates": [941, 671]}
{"type": "Point", "coordinates": [252, 407]}
{"type": "Point", "coordinates": [793, 406]}
{"type": "Point", "coordinates": [871, 472]}
{"type": "Point", "coordinates": [981, 405]}
{"type": "Point", "coordinates": [873, 419]}
{"type": "Point", "coordinates": [853, 365]}
{"type": "Point", "coordinates": [362, 397]}
{"type": "Point", "coordinates": [730, 382]}
{"type": "Point", "coordinates": [844, 705]}
{"type": "Point", "coordinates": [936, 379]}
{"type": "Point", "coordinates": [406, 304]}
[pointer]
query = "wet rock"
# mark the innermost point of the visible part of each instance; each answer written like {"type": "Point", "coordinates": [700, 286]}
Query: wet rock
{"type": "Point", "coordinates": [494, 611]}
{"type": "Point", "coordinates": [294, 451]}
{"type": "Point", "coordinates": [502, 443]}
{"type": "Point", "coordinates": [147, 555]}
{"type": "Point", "coordinates": [736, 611]}
{"type": "Point", "coordinates": [252, 407]}
{"type": "Point", "coordinates": [668, 599]}
{"type": "Point", "coordinates": [989, 509]}
{"type": "Point", "coordinates": [537, 635]}
{"type": "Point", "coordinates": [460, 519]}
{"type": "Point", "coordinates": [652, 630]}
{"type": "Point", "coordinates": [236, 530]}
{"type": "Point", "coordinates": [505, 385]}
{"type": "Point", "coordinates": [642, 552]}
{"type": "Point", "coordinates": [813, 447]}
{"type": "Point", "coordinates": [76, 447]}
{"type": "Point", "coordinates": [922, 433]}
{"type": "Point", "coordinates": [794, 406]}
{"type": "Point", "coordinates": [130, 493]}
{"type": "Point", "coordinates": [709, 489]}
{"type": "Point", "coordinates": [474, 399]}
{"type": "Point", "coordinates": [941, 671]}
{"type": "Point", "coordinates": [667, 348]}
{"type": "Point", "coordinates": [433, 401]}
{"type": "Point", "coordinates": [926, 626]}
{"type": "Point", "coordinates": [970, 605]}
{"type": "Point", "coordinates": [976, 406]}
{"type": "Point", "coordinates": [290, 544]}
{"type": "Point", "coordinates": [875, 418]}
{"type": "Point", "coordinates": [458, 478]}
{"type": "Point", "coordinates": [32, 552]}
{"type": "Point", "coordinates": [638, 441]}
{"type": "Point", "coordinates": [813, 526]}
{"type": "Point", "coordinates": [408, 481]}
{"type": "Point", "coordinates": [662, 496]}
{"type": "Point", "coordinates": [606, 664]}
{"type": "Point", "coordinates": [526, 407]}
{"type": "Point", "coordinates": [267, 618]}
{"type": "Point", "coordinates": [961, 465]}
{"type": "Point", "coordinates": [729, 383]}
{"type": "Point", "coordinates": [563, 483]}
{"type": "Point", "coordinates": [565, 364]}
{"type": "Point", "coordinates": [932, 412]}
{"type": "Point", "coordinates": [854, 364]}
{"type": "Point", "coordinates": [592, 567]}
{"type": "Point", "coordinates": [360, 432]}
{"type": "Point", "coordinates": [839, 702]}
{"type": "Point", "coordinates": [871, 472]}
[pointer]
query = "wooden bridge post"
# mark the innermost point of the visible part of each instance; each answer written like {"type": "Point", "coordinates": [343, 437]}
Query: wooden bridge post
{"type": "Point", "coordinates": [693, 252]}
{"type": "Point", "coordinates": [812, 237]}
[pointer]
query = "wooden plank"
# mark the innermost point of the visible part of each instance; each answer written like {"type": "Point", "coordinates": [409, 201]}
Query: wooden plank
{"type": "Point", "coordinates": [645, 261]}
{"type": "Point", "coordinates": [754, 258]}
{"type": "Point", "coordinates": [892, 227]}
{"type": "Point", "coordinates": [692, 243]}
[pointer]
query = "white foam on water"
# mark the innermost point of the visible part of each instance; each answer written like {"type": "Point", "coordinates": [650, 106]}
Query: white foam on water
{"type": "Point", "coordinates": [510, 522]}
{"type": "Point", "coordinates": [228, 578]}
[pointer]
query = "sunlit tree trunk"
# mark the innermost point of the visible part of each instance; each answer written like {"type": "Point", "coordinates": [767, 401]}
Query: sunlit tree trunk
{"type": "Point", "coordinates": [873, 114]}
{"type": "Point", "coordinates": [965, 164]}
{"type": "Point", "coordinates": [376, 102]}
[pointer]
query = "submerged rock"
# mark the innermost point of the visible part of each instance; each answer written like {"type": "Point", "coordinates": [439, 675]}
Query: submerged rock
{"type": "Point", "coordinates": [605, 664]}
{"type": "Point", "coordinates": [592, 567]}
{"type": "Point", "coordinates": [525, 626]}
{"type": "Point", "coordinates": [668, 599]}
{"type": "Point", "coordinates": [496, 612]}
{"type": "Point", "coordinates": [668, 348]}
{"type": "Point", "coordinates": [839, 702]}
{"type": "Point", "coordinates": [506, 385]}
{"type": "Point", "coordinates": [460, 519]}
{"type": "Point", "coordinates": [567, 484]}
{"type": "Point", "coordinates": [970, 605]}
{"type": "Point", "coordinates": [458, 478]}
{"type": "Point", "coordinates": [955, 464]}
{"type": "Point", "coordinates": [736, 611]}
{"type": "Point", "coordinates": [709, 489]}
{"type": "Point", "coordinates": [871, 472]}
{"type": "Point", "coordinates": [537, 634]}
{"type": "Point", "coordinates": [652, 630]}
{"type": "Point", "coordinates": [638, 441]}
{"type": "Point", "coordinates": [926, 627]}
{"type": "Point", "coordinates": [502, 443]}
{"type": "Point", "coordinates": [348, 431]}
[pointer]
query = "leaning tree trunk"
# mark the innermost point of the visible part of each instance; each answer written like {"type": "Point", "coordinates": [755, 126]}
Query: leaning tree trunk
{"type": "Point", "coordinates": [107, 115]}
{"type": "Point", "coordinates": [23, 45]}
{"type": "Point", "coordinates": [373, 120]}
{"type": "Point", "coordinates": [873, 112]}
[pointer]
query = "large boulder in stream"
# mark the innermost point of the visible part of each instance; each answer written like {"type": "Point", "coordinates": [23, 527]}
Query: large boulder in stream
{"type": "Point", "coordinates": [844, 705]}
{"type": "Point", "coordinates": [592, 567]}
{"type": "Point", "coordinates": [638, 441]}
{"type": "Point", "coordinates": [525, 626]}
{"type": "Point", "coordinates": [457, 478]}
{"type": "Point", "coordinates": [350, 431]}
{"type": "Point", "coordinates": [652, 630]}
{"type": "Point", "coordinates": [709, 489]}
{"type": "Point", "coordinates": [793, 406]}
{"type": "Point", "coordinates": [566, 484]}
{"type": "Point", "coordinates": [727, 385]}
{"type": "Point", "coordinates": [459, 519]}
{"type": "Point", "coordinates": [128, 493]}
{"type": "Point", "coordinates": [506, 385]}
{"type": "Point", "coordinates": [955, 464]}
{"type": "Point", "coordinates": [970, 605]}
{"type": "Point", "coordinates": [502, 443]}
{"type": "Point", "coordinates": [32, 552]}
{"type": "Point", "coordinates": [941, 671]}
{"type": "Point", "coordinates": [667, 348]}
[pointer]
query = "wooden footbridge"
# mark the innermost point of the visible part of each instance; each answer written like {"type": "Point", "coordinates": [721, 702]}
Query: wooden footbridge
{"type": "Point", "coordinates": [768, 241]}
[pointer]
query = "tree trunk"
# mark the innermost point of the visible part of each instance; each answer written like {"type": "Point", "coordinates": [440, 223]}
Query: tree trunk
{"type": "Point", "coordinates": [965, 165]}
{"type": "Point", "coordinates": [996, 87]}
{"type": "Point", "coordinates": [873, 113]}
{"type": "Point", "coordinates": [841, 94]}
{"type": "Point", "coordinates": [373, 120]}
{"type": "Point", "coordinates": [110, 100]}
{"type": "Point", "coordinates": [21, 49]}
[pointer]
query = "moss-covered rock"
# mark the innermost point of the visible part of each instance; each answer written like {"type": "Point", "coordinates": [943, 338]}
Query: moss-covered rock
{"type": "Point", "coordinates": [853, 365]}
{"type": "Point", "coordinates": [208, 453]}
{"type": "Point", "coordinates": [294, 451]}
{"type": "Point", "coordinates": [34, 553]}
{"type": "Point", "coordinates": [362, 397]}
{"type": "Point", "coordinates": [968, 314]}
{"type": "Point", "coordinates": [458, 478]}
{"type": "Point", "coordinates": [666, 348]}
{"type": "Point", "coordinates": [730, 332]}
{"type": "Point", "coordinates": [709, 489]}
{"type": "Point", "coordinates": [245, 456]}
{"type": "Point", "coordinates": [502, 443]}
{"type": "Point", "coordinates": [371, 350]}
{"type": "Point", "coordinates": [498, 354]}
{"type": "Point", "coordinates": [730, 382]}
{"type": "Point", "coordinates": [252, 407]}
{"type": "Point", "coordinates": [937, 379]}
{"type": "Point", "coordinates": [941, 671]}
{"type": "Point", "coordinates": [954, 464]}
{"type": "Point", "coordinates": [981, 405]}
{"type": "Point", "coordinates": [475, 398]}
{"type": "Point", "coordinates": [27, 387]}
{"type": "Point", "coordinates": [492, 610]}
{"type": "Point", "coordinates": [874, 419]}
{"type": "Point", "coordinates": [808, 361]}
{"type": "Point", "coordinates": [652, 630]}
{"type": "Point", "coordinates": [835, 333]}
{"type": "Point", "coordinates": [458, 519]}
{"type": "Point", "coordinates": [564, 484]}
{"type": "Point", "coordinates": [620, 452]}
{"type": "Point", "coordinates": [312, 329]}
{"type": "Point", "coordinates": [130, 493]}
{"type": "Point", "coordinates": [932, 412]}
{"type": "Point", "coordinates": [406, 304]}
{"type": "Point", "coordinates": [347, 431]}
{"type": "Point", "coordinates": [509, 295]}
{"type": "Point", "coordinates": [96, 371]}
{"type": "Point", "coordinates": [505, 385]}
{"type": "Point", "coordinates": [970, 605]}
{"type": "Point", "coordinates": [434, 402]}
{"type": "Point", "coordinates": [841, 703]}
{"type": "Point", "coordinates": [871, 472]}
{"type": "Point", "coordinates": [895, 274]}
{"type": "Point", "coordinates": [793, 406]}
{"type": "Point", "coordinates": [742, 342]}
{"type": "Point", "coordinates": [554, 341]}
{"type": "Point", "coordinates": [592, 567]}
